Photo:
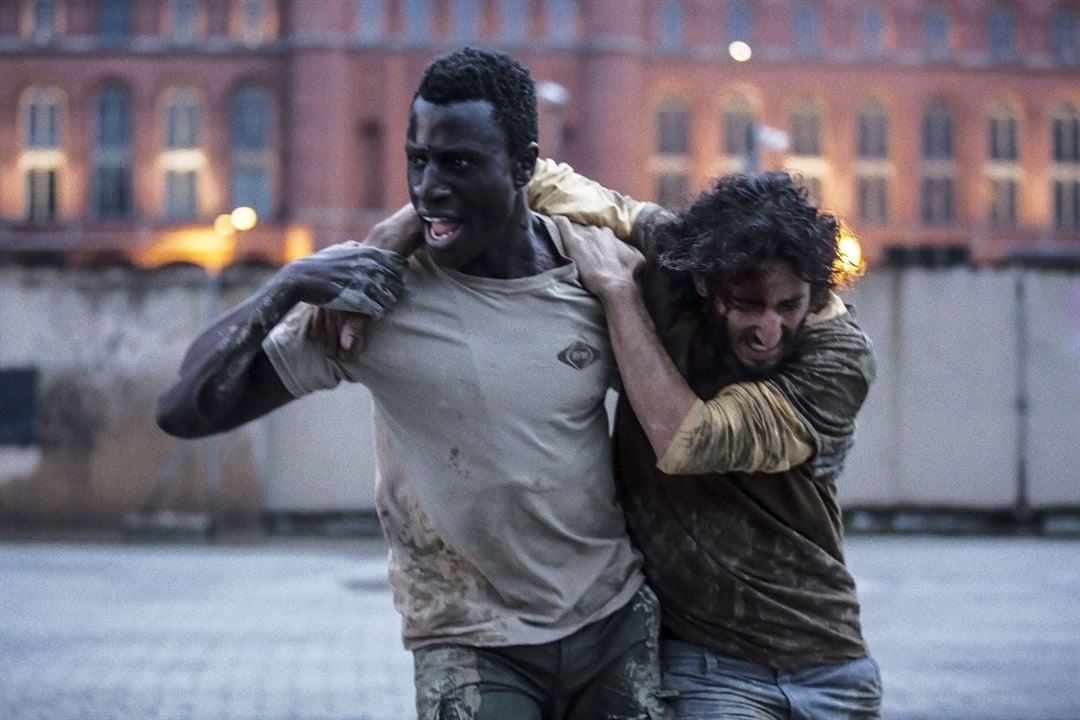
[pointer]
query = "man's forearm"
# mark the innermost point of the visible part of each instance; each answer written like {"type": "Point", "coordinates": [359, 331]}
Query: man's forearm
{"type": "Point", "coordinates": [214, 370]}
{"type": "Point", "coordinates": [659, 395]}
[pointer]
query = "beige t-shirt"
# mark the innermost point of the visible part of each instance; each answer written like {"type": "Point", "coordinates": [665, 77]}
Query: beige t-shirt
{"type": "Point", "coordinates": [494, 481]}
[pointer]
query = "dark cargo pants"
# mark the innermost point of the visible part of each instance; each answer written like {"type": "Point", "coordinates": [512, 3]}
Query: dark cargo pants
{"type": "Point", "coordinates": [607, 670]}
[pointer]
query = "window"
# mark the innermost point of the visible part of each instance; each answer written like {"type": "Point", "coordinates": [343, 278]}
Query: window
{"type": "Point", "coordinates": [1066, 36]}
{"type": "Point", "coordinates": [42, 21]}
{"type": "Point", "coordinates": [938, 166]}
{"type": "Point", "coordinates": [417, 20]}
{"type": "Point", "coordinates": [806, 129]}
{"type": "Point", "coordinates": [672, 189]}
{"type": "Point", "coordinates": [873, 191]}
{"type": "Point", "coordinates": [673, 128]}
{"type": "Point", "coordinates": [873, 130]}
{"type": "Point", "coordinates": [1002, 134]}
{"type": "Point", "coordinates": [740, 21]}
{"type": "Point", "coordinates": [43, 118]}
{"type": "Point", "coordinates": [515, 20]}
{"type": "Point", "coordinates": [936, 32]}
{"type": "Point", "coordinates": [182, 158]}
{"type": "Point", "coordinates": [739, 128]}
{"type": "Point", "coordinates": [872, 181]}
{"type": "Point", "coordinates": [872, 30]}
{"type": "Point", "coordinates": [113, 20]}
{"type": "Point", "coordinates": [111, 178]}
{"type": "Point", "coordinates": [182, 17]}
{"type": "Point", "coordinates": [253, 21]}
{"type": "Point", "coordinates": [671, 164]}
{"type": "Point", "coordinates": [1003, 194]}
{"type": "Point", "coordinates": [806, 29]}
{"type": "Point", "coordinates": [671, 25]}
{"type": "Point", "coordinates": [937, 200]}
{"type": "Point", "coordinates": [251, 138]}
{"type": "Point", "coordinates": [465, 19]}
{"type": "Point", "coordinates": [1002, 34]}
{"type": "Point", "coordinates": [1065, 170]}
{"type": "Point", "coordinates": [42, 156]}
{"type": "Point", "coordinates": [370, 20]}
{"type": "Point", "coordinates": [937, 131]}
{"type": "Point", "coordinates": [371, 146]}
{"type": "Point", "coordinates": [562, 19]}
{"type": "Point", "coordinates": [1066, 130]}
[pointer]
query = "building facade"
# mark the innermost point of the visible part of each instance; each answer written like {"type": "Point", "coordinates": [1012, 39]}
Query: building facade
{"type": "Point", "coordinates": [950, 129]}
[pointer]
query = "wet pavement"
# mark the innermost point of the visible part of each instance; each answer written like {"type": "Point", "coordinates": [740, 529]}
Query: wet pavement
{"type": "Point", "coordinates": [282, 629]}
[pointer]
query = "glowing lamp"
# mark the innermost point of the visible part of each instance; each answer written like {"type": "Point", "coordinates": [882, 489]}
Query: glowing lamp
{"type": "Point", "coordinates": [244, 218]}
{"type": "Point", "coordinates": [739, 51]}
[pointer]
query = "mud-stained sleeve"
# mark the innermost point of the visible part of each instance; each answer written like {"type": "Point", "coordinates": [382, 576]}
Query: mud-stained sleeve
{"type": "Point", "coordinates": [747, 427]}
{"type": "Point", "coordinates": [556, 189]}
{"type": "Point", "coordinates": [299, 361]}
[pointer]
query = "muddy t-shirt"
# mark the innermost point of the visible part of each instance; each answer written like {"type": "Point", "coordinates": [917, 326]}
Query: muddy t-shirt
{"type": "Point", "coordinates": [750, 564]}
{"type": "Point", "coordinates": [494, 485]}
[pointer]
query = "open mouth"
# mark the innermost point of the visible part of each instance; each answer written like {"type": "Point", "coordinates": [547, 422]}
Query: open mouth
{"type": "Point", "coordinates": [439, 232]}
{"type": "Point", "coordinates": [760, 354]}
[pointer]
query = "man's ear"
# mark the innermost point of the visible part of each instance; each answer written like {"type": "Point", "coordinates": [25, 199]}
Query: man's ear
{"type": "Point", "coordinates": [525, 165]}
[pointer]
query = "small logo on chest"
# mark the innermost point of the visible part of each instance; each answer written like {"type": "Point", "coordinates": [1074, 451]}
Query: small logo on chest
{"type": "Point", "coordinates": [579, 355]}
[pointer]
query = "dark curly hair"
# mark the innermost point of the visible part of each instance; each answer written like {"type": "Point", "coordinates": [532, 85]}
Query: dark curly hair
{"type": "Point", "coordinates": [746, 220]}
{"type": "Point", "coordinates": [472, 74]}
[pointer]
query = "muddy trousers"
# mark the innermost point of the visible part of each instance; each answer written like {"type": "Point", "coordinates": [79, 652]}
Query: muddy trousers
{"type": "Point", "coordinates": [607, 670]}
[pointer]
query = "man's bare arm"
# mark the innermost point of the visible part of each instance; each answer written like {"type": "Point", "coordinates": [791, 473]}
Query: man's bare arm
{"type": "Point", "coordinates": [225, 378]}
{"type": "Point", "coordinates": [748, 427]}
{"type": "Point", "coordinates": [660, 396]}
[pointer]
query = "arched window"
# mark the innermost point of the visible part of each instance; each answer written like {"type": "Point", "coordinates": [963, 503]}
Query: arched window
{"type": "Point", "coordinates": [1066, 36]}
{"type": "Point", "coordinates": [872, 29]}
{"type": "Point", "coordinates": [938, 168]}
{"type": "Point", "coordinates": [740, 21]}
{"type": "Point", "coordinates": [806, 128]}
{"type": "Point", "coordinates": [251, 124]}
{"type": "Point", "coordinates": [111, 180]}
{"type": "Point", "coordinates": [253, 22]}
{"type": "Point", "coordinates": [113, 22]}
{"type": "Point", "coordinates": [937, 131]}
{"type": "Point", "coordinates": [465, 19]}
{"type": "Point", "coordinates": [1002, 34]}
{"type": "Point", "coordinates": [671, 163]}
{"type": "Point", "coordinates": [370, 20]}
{"type": "Point", "coordinates": [182, 158]}
{"type": "Point", "coordinates": [42, 156]}
{"type": "Point", "coordinates": [873, 130]}
{"type": "Point", "coordinates": [806, 28]}
{"type": "Point", "coordinates": [739, 127]}
{"type": "Point", "coordinates": [183, 20]}
{"type": "Point", "coordinates": [872, 167]}
{"type": "Point", "coordinates": [1066, 168]}
{"type": "Point", "coordinates": [417, 26]}
{"type": "Point", "coordinates": [671, 25]}
{"type": "Point", "coordinates": [936, 31]}
{"type": "Point", "coordinates": [41, 21]}
{"type": "Point", "coordinates": [673, 128]}
{"type": "Point", "coordinates": [514, 19]}
{"type": "Point", "coordinates": [1003, 168]}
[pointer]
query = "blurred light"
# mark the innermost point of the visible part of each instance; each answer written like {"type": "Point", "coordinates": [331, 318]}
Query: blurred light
{"type": "Point", "coordinates": [223, 224]}
{"type": "Point", "coordinates": [552, 92]}
{"type": "Point", "coordinates": [298, 243]}
{"type": "Point", "coordinates": [739, 51]}
{"type": "Point", "coordinates": [202, 246]}
{"type": "Point", "coordinates": [849, 263]}
{"type": "Point", "coordinates": [244, 218]}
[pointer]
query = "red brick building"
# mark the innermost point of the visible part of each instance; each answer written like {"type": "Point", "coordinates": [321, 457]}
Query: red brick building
{"type": "Point", "coordinates": [127, 126]}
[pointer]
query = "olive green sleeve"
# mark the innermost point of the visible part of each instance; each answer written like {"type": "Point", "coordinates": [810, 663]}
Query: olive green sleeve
{"type": "Point", "coordinates": [556, 189]}
{"type": "Point", "coordinates": [747, 427]}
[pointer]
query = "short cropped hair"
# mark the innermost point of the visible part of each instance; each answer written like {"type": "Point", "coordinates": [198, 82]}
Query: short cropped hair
{"type": "Point", "coordinates": [747, 220]}
{"type": "Point", "coordinates": [472, 74]}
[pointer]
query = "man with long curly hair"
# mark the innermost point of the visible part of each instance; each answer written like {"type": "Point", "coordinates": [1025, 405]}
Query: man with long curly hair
{"type": "Point", "coordinates": [742, 376]}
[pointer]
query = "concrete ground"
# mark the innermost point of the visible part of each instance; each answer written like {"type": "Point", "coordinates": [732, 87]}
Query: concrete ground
{"type": "Point", "coordinates": [963, 628]}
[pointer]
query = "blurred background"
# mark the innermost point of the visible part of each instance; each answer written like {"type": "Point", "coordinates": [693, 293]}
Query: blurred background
{"type": "Point", "coordinates": [158, 158]}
